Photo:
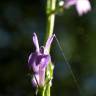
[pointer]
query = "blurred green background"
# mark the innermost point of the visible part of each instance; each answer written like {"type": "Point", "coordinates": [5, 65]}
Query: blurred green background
{"type": "Point", "coordinates": [77, 36]}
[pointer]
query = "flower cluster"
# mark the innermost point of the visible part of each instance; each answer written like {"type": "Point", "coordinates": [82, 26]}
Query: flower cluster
{"type": "Point", "coordinates": [39, 60]}
{"type": "Point", "coordinates": [82, 6]}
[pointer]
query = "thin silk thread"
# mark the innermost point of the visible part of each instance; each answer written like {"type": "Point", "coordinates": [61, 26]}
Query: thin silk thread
{"type": "Point", "coordinates": [69, 67]}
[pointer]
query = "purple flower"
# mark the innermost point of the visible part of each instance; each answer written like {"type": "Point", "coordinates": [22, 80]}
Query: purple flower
{"type": "Point", "coordinates": [82, 6]}
{"type": "Point", "coordinates": [39, 60]}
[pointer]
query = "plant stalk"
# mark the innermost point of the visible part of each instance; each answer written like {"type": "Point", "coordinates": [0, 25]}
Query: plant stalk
{"type": "Point", "coordinates": [50, 12]}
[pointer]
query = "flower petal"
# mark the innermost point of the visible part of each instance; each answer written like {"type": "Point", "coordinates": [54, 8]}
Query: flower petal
{"type": "Point", "coordinates": [48, 44]}
{"type": "Point", "coordinates": [69, 3]}
{"type": "Point", "coordinates": [29, 58]}
{"type": "Point", "coordinates": [35, 41]}
{"type": "Point", "coordinates": [45, 61]}
{"type": "Point", "coordinates": [33, 58]}
{"type": "Point", "coordinates": [35, 80]}
{"type": "Point", "coordinates": [83, 6]}
{"type": "Point", "coordinates": [41, 76]}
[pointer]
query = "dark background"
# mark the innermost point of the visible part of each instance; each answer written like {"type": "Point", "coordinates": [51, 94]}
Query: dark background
{"type": "Point", "coordinates": [77, 36]}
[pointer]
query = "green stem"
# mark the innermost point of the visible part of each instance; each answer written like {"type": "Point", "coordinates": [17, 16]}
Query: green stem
{"type": "Point", "coordinates": [51, 7]}
{"type": "Point", "coordinates": [47, 91]}
{"type": "Point", "coordinates": [41, 91]}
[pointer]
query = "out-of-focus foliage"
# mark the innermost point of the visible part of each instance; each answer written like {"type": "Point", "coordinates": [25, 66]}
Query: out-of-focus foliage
{"type": "Point", "coordinates": [77, 36]}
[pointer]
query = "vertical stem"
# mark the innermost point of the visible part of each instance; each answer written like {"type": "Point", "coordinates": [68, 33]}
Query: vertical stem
{"type": "Point", "coordinates": [50, 11]}
{"type": "Point", "coordinates": [51, 7]}
{"type": "Point", "coordinates": [47, 91]}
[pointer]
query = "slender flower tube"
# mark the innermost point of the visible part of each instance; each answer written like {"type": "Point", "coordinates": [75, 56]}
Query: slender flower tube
{"type": "Point", "coordinates": [39, 60]}
{"type": "Point", "coordinates": [82, 6]}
